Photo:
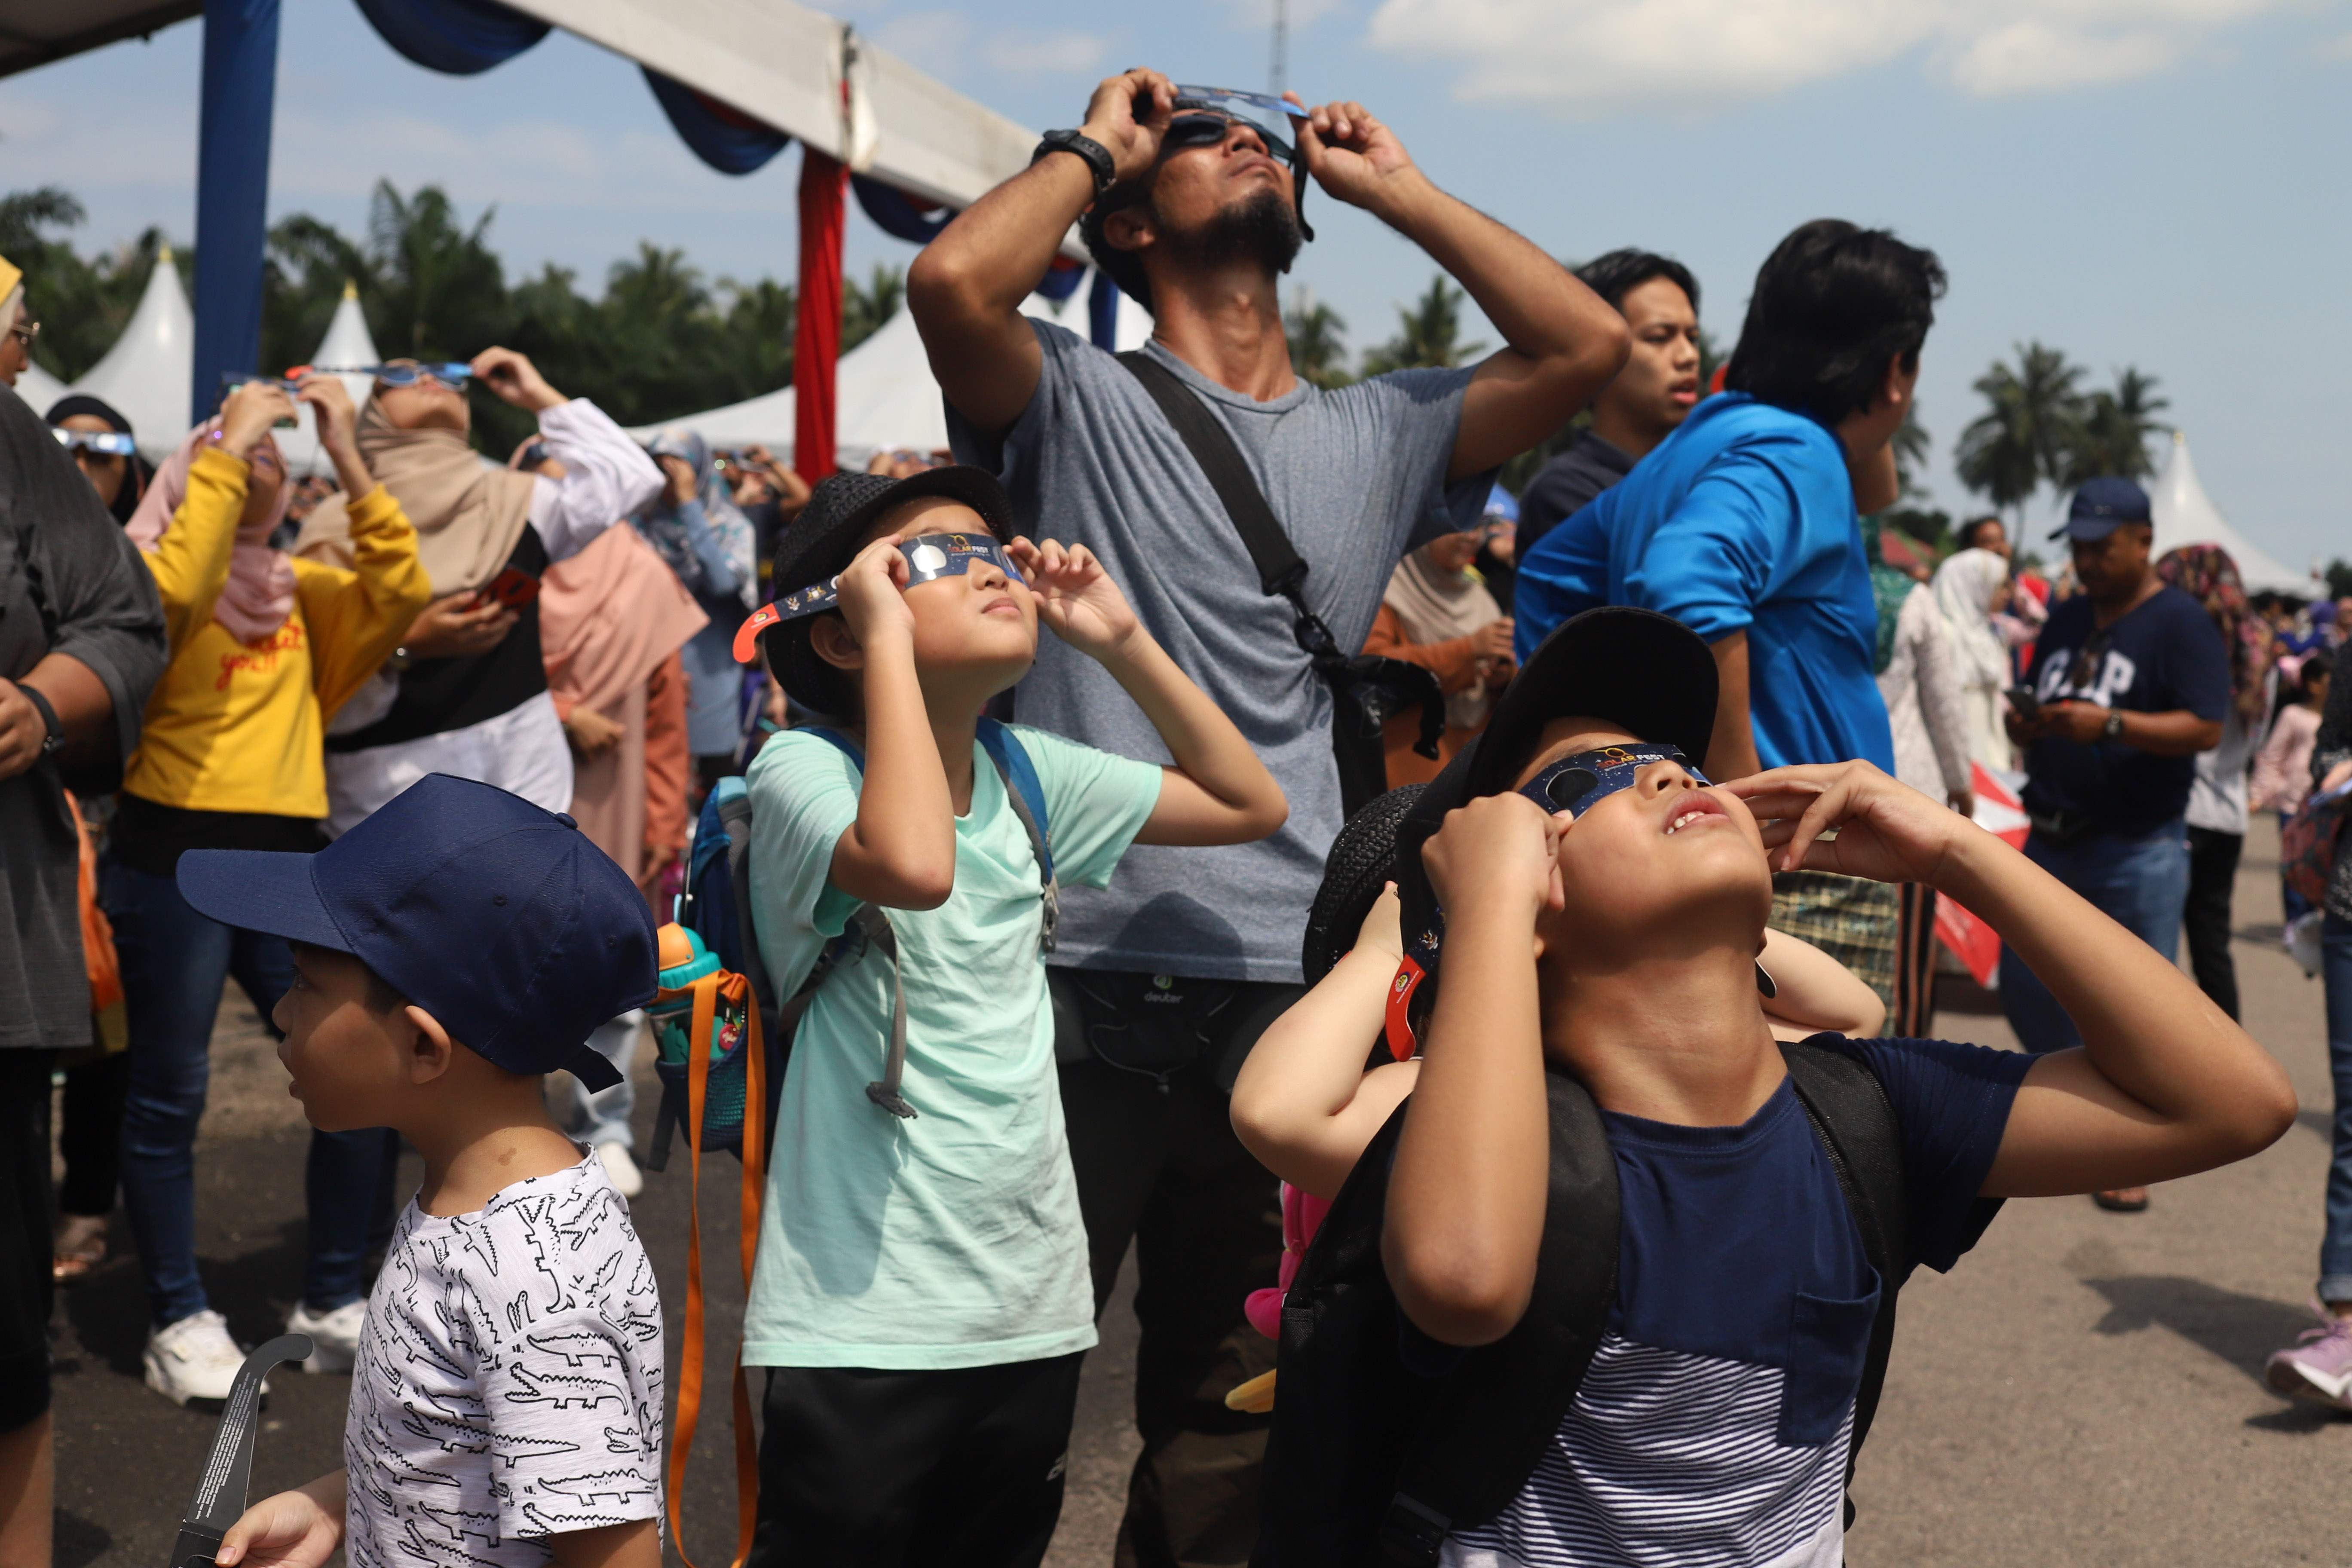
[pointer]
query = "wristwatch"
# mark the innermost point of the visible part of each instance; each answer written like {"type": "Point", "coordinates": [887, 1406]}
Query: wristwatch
{"type": "Point", "coordinates": [1096, 156]}
{"type": "Point", "coordinates": [55, 736]}
{"type": "Point", "coordinates": [2114, 728]}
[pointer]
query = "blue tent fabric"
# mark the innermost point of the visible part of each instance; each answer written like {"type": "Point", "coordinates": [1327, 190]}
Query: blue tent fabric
{"type": "Point", "coordinates": [461, 37]}
{"type": "Point", "coordinates": [729, 142]}
{"type": "Point", "coordinates": [239, 97]}
{"type": "Point", "coordinates": [896, 213]}
{"type": "Point", "coordinates": [1102, 312]}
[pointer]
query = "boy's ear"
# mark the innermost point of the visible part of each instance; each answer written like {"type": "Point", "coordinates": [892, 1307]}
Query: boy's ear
{"type": "Point", "coordinates": [834, 642]}
{"type": "Point", "coordinates": [430, 1049]}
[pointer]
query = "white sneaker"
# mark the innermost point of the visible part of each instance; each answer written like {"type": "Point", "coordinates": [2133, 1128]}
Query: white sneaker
{"type": "Point", "coordinates": [334, 1336]}
{"type": "Point", "coordinates": [193, 1359]}
{"type": "Point", "coordinates": [626, 1178]}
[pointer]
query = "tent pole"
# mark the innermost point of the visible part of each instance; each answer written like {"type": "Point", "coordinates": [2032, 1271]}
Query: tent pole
{"type": "Point", "coordinates": [240, 87]}
{"type": "Point", "coordinates": [816, 340]}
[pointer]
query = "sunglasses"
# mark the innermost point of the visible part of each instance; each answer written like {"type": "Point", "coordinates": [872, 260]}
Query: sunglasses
{"type": "Point", "coordinates": [1202, 128]}
{"type": "Point", "coordinates": [1580, 782]}
{"type": "Point", "coordinates": [405, 373]}
{"type": "Point", "coordinates": [105, 443]}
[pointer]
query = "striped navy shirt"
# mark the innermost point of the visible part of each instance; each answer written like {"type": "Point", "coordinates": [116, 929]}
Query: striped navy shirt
{"type": "Point", "coordinates": [1711, 1431]}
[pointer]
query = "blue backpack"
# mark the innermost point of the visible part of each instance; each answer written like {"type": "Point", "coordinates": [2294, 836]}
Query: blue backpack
{"type": "Point", "coordinates": [717, 907]}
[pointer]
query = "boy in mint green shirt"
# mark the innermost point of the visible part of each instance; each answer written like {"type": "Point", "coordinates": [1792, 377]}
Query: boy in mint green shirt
{"type": "Point", "coordinates": [922, 1295]}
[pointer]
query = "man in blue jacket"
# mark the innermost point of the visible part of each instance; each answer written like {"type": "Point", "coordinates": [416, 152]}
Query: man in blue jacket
{"type": "Point", "coordinates": [1742, 525]}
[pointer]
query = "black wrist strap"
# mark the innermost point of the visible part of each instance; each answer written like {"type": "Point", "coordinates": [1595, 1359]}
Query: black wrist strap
{"type": "Point", "coordinates": [56, 731]}
{"type": "Point", "coordinates": [1086, 149]}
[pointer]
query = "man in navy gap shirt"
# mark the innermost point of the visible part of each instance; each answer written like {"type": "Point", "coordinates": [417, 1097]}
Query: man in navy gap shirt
{"type": "Point", "coordinates": [2130, 681]}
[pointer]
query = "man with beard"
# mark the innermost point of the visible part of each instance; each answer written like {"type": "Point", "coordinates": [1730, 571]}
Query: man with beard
{"type": "Point", "coordinates": [1188, 200]}
{"type": "Point", "coordinates": [1646, 402]}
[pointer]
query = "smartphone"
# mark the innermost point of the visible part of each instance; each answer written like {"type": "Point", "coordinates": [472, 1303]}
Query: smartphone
{"type": "Point", "coordinates": [2028, 706]}
{"type": "Point", "coordinates": [510, 589]}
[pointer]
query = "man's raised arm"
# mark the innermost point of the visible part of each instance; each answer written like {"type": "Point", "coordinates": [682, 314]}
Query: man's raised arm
{"type": "Point", "coordinates": [1562, 342]}
{"type": "Point", "coordinates": [966, 287]}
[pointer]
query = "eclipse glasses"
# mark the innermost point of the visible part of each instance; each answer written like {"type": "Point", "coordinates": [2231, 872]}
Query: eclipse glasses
{"type": "Point", "coordinates": [105, 443]}
{"type": "Point", "coordinates": [452, 374]}
{"type": "Point", "coordinates": [1204, 114]}
{"type": "Point", "coordinates": [1581, 782]}
{"type": "Point", "coordinates": [930, 557]}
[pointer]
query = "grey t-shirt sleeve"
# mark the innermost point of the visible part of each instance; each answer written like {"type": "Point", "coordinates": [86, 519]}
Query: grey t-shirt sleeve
{"type": "Point", "coordinates": [1416, 417]}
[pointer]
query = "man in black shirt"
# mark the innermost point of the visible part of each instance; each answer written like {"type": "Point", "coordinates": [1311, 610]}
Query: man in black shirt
{"type": "Point", "coordinates": [2130, 681]}
{"type": "Point", "coordinates": [1644, 405]}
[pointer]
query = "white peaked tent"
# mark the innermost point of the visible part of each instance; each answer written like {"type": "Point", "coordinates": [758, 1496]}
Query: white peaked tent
{"type": "Point", "coordinates": [39, 388]}
{"type": "Point", "coordinates": [145, 374]}
{"type": "Point", "coordinates": [883, 393]}
{"type": "Point", "coordinates": [2185, 514]}
{"type": "Point", "coordinates": [347, 342]}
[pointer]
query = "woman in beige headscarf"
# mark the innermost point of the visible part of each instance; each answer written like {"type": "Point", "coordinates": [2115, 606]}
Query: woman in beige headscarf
{"type": "Point", "coordinates": [467, 693]}
{"type": "Point", "coordinates": [1438, 614]}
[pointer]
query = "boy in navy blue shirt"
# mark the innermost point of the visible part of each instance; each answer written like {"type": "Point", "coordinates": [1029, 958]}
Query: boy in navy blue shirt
{"type": "Point", "coordinates": [1603, 909]}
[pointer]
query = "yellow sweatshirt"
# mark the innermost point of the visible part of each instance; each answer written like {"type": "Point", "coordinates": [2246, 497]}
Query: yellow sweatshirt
{"type": "Point", "coordinates": [234, 726]}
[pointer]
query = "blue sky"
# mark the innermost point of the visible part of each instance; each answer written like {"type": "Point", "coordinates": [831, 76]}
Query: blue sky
{"type": "Point", "coordinates": [2155, 183]}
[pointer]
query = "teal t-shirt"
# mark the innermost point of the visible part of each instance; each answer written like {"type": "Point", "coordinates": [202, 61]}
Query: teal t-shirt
{"type": "Point", "coordinates": [952, 1239]}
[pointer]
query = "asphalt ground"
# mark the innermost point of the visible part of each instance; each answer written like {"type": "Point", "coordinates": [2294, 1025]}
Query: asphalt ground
{"type": "Point", "coordinates": [2084, 1388]}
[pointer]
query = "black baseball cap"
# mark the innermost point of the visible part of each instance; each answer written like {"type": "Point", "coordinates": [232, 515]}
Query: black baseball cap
{"type": "Point", "coordinates": [500, 918]}
{"type": "Point", "coordinates": [2101, 506]}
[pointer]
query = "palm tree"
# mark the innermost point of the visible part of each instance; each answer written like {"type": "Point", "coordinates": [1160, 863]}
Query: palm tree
{"type": "Point", "coordinates": [1912, 443]}
{"type": "Point", "coordinates": [1318, 334]}
{"type": "Point", "coordinates": [441, 290]}
{"type": "Point", "coordinates": [1428, 333]}
{"type": "Point", "coordinates": [2116, 427]}
{"type": "Point", "coordinates": [2030, 430]}
{"type": "Point", "coordinates": [863, 308]}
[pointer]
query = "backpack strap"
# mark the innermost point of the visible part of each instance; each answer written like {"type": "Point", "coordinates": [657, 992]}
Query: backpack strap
{"type": "Point", "coordinates": [1856, 1125]}
{"type": "Point", "coordinates": [1026, 792]}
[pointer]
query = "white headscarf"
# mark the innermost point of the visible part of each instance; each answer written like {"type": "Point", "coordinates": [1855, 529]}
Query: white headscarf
{"type": "Point", "coordinates": [1964, 590]}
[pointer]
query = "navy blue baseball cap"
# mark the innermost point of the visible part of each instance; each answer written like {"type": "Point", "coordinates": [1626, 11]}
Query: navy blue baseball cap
{"type": "Point", "coordinates": [502, 919]}
{"type": "Point", "coordinates": [2101, 506]}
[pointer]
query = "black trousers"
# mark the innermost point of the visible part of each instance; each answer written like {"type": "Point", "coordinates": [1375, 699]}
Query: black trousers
{"type": "Point", "coordinates": [1162, 1168]}
{"type": "Point", "coordinates": [25, 1283]}
{"type": "Point", "coordinates": [89, 1134]}
{"type": "Point", "coordinates": [2205, 919]}
{"type": "Point", "coordinates": [922, 1468]}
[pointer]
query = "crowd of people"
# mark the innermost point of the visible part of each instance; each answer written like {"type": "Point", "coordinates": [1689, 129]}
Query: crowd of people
{"type": "Point", "coordinates": [1045, 742]}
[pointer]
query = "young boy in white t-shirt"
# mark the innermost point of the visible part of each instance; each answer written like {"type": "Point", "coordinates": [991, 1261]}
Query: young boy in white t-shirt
{"type": "Point", "coordinates": [921, 1297]}
{"type": "Point", "coordinates": [507, 1401]}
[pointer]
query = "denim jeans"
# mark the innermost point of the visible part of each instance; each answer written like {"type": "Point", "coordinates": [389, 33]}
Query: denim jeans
{"type": "Point", "coordinates": [347, 1185]}
{"type": "Point", "coordinates": [175, 961]}
{"type": "Point", "coordinates": [2335, 1243]}
{"type": "Point", "coordinates": [2141, 883]}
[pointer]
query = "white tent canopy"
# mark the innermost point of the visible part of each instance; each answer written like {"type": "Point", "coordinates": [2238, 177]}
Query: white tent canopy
{"type": "Point", "coordinates": [2185, 514]}
{"type": "Point", "coordinates": [145, 374]}
{"type": "Point", "coordinates": [39, 388]}
{"type": "Point", "coordinates": [884, 395]}
{"type": "Point", "coordinates": [348, 341]}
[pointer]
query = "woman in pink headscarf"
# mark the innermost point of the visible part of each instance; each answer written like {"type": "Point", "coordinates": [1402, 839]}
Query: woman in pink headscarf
{"type": "Point", "coordinates": [263, 650]}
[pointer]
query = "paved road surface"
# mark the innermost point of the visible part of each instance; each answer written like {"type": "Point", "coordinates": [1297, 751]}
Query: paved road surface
{"type": "Point", "coordinates": [2082, 1389]}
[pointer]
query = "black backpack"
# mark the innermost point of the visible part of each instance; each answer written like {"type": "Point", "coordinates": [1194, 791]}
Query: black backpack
{"type": "Point", "coordinates": [1372, 1463]}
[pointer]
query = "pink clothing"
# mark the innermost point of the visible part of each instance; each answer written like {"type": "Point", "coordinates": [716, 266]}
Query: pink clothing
{"type": "Point", "coordinates": [2282, 767]}
{"type": "Point", "coordinates": [1302, 1216]}
{"type": "Point", "coordinates": [259, 594]}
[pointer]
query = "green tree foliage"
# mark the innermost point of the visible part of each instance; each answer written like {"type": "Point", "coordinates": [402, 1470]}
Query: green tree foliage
{"type": "Point", "coordinates": [1318, 342]}
{"type": "Point", "coordinates": [659, 342]}
{"type": "Point", "coordinates": [82, 305]}
{"type": "Point", "coordinates": [865, 307]}
{"type": "Point", "coordinates": [1429, 333]}
{"type": "Point", "coordinates": [2113, 430]}
{"type": "Point", "coordinates": [2339, 578]}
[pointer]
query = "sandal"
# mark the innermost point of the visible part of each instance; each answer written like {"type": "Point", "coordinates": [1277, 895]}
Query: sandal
{"type": "Point", "coordinates": [2122, 1200]}
{"type": "Point", "coordinates": [81, 1247]}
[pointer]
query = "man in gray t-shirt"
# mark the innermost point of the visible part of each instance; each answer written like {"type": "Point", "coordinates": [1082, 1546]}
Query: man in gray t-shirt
{"type": "Point", "coordinates": [1191, 208]}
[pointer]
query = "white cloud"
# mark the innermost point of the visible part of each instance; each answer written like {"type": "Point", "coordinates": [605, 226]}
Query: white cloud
{"type": "Point", "coordinates": [1589, 57]}
{"type": "Point", "coordinates": [1045, 54]}
{"type": "Point", "coordinates": [946, 44]}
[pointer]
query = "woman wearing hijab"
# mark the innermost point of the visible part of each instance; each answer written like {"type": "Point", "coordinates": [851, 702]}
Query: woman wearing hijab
{"type": "Point", "coordinates": [696, 526]}
{"type": "Point", "coordinates": [16, 329]}
{"type": "Point", "coordinates": [120, 479]}
{"type": "Point", "coordinates": [1924, 708]}
{"type": "Point", "coordinates": [1438, 614]}
{"type": "Point", "coordinates": [611, 621]}
{"type": "Point", "coordinates": [467, 692]}
{"type": "Point", "coordinates": [265, 649]}
{"type": "Point", "coordinates": [1968, 590]}
{"type": "Point", "coordinates": [2217, 796]}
